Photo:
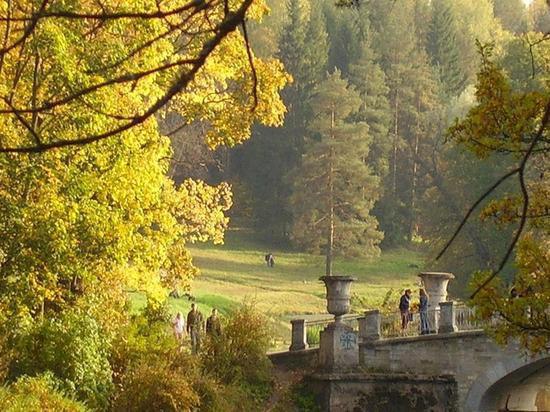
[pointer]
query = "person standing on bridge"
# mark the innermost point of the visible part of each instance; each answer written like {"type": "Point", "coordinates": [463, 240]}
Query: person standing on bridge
{"type": "Point", "coordinates": [404, 305]}
{"type": "Point", "coordinates": [423, 309]}
{"type": "Point", "coordinates": [194, 327]}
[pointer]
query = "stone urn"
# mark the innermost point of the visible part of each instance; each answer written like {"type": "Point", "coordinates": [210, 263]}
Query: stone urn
{"type": "Point", "coordinates": [338, 295]}
{"type": "Point", "coordinates": [435, 284]}
{"type": "Point", "coordinates": [339, 343]}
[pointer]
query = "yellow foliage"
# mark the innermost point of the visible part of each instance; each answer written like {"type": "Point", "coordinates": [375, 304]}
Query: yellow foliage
{"type": "Point", "coordinates": [90, 221]}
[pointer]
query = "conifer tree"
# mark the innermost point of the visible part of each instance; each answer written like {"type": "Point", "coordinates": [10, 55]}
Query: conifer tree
{"type": "Point", "coordinates": [396, 42]}
{"type": "Point", "coordinates": [292, 52]}
{"type": "Point", "coordinates": [443, 48]}
{"type": "Point", "coordinates": [335, 189]}
{"type": "Point", "coordinates": [345, 36]}
{"type": "Point", "coordinates": [370, 81]}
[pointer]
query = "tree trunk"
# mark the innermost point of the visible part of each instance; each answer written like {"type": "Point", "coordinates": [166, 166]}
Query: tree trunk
{"type": "Point", "coordinates": [330, 239]}
{"type": "Point", "coordinates": [395, 132]}
{"type": "Point", "coordinates": [412, 223]}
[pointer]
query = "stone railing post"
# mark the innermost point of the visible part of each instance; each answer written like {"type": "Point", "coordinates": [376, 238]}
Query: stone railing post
{"type": "Point", "coordinates": [299, 341]}
{"type": "Point", "coordinates": [369, 326]}
{"type": "Point", "coordinates": [447, 318]}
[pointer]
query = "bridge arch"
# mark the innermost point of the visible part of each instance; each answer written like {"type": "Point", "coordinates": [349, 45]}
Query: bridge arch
{"type": "Point", "coordinates": [512, 383]}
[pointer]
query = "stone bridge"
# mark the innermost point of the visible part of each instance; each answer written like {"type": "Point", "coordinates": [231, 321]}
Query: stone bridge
{"type": "Point", "coordinates": [456, 368]}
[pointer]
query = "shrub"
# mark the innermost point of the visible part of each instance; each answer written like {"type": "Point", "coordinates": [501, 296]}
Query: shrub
{"type": "Point", "coordinates": [156, 311]}
{"type": "Point", "coordinates": [157, 384]}
{"type": "Point", "coordinates": [74, 349]}
{"type": "Point", "coordinates": [304, 400]}
{"type": "Point", "coordinates": [140, 339]}
{"type": "Point", "coordinates": [39, 393]}
{"type": "Point", "coordinates": [238, 356]}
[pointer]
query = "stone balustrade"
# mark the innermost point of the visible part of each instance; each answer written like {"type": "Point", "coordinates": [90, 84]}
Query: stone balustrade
{"type": "Point", "coordinates": [299, 336]}
{"type": "Point", "coordinates": [451, 318]}
{"type": "Point", "coordinates": [370, 326]}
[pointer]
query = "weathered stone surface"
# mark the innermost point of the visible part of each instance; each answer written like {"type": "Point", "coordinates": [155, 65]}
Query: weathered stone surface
{"type": "Point", "coordinates": [298, 360]}
{"type": "Point", "coordinates": [374, 392]}
{"type": "Point", "coordinates": [447, 320]}
{"type": "Point", "coordinates": [338, 294]}
{"type": "Point", "coordinates": [369, 325]}
{"type": "Point", "coordinates": [299, 341]}
{"type": "Point", "coordinates": [338, 347]}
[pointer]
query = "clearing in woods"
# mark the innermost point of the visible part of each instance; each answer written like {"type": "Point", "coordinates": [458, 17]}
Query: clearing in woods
{"type": "Point", "coordinates": [236, 271]}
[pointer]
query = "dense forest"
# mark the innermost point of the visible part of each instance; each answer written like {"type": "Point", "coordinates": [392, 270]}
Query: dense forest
{"type": "Point", "coordinates": [397, 75]}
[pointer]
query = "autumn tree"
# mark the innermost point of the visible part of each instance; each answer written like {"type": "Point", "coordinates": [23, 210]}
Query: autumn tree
{"type": "Point", "coordinates": [335, 189]}
{"type": "Point", "coordinates": [513, 122]}
{"type": "Point", "coordinates": [86, 206]}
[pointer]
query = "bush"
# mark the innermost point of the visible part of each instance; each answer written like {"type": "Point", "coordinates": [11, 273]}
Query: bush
{"type": "Point", "coordinates": [39, 393]}
{"type": "Point", "coordinates": [138, 340]}
{"type": "Point", "coordinates": [74, 349]}
{"type": "Point", "coordinates": [156, 311]}
{"type": "Point", "coordinates": [238, 357]}
{"type": "Point", "coordinates": [157, 384]}
{"type": "Point", "coordinates": [154, 374]}
{"type": "Point", "coordinates": [303, 399]}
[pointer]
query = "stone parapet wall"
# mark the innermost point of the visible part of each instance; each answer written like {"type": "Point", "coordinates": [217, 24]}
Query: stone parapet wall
{"type": "Point", "coordinates": [464, 355]}
{"type": "Point", "coordinates": [295, 360]}
{"type": "Point", "coordinates": [378, 392]}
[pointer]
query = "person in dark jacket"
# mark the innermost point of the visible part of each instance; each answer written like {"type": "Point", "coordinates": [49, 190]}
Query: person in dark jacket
{"type": "Point", "coordinates": [195, 326]}
{"type": "Point", "coordinates": [404, 305]}
{"type": "Point", "coordinates": [213, 324]}
{"type": "Point", "coordinates": [423, 309]}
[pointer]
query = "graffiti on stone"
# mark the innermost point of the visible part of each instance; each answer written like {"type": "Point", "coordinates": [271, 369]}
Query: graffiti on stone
{"type": "Point", "coordinates": [348, 340]}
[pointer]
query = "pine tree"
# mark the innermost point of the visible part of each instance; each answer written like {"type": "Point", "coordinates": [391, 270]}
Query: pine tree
{"type": "Point", "coordinates": [304, 52]}
{"type": "Point", "coordinates": [370, 81]}
{"type": "Point", "coordinates": [411, 97]}
{"type": "Point", "coordinates": [396, 43]}
{"type": "Point", "coordinates": [292, 46]}
{"type": "Point", "coordinates": [345, 36]}
{"type": "Point", "coordinates": [315, 56]}
{"type": "Point", "coordinates": [443, 49]}
{"type": "Point", "coordinates": [335, 189]}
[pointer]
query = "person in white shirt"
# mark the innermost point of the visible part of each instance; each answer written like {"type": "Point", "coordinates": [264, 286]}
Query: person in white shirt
{"type": "Point", "coordinates": [179, 327]}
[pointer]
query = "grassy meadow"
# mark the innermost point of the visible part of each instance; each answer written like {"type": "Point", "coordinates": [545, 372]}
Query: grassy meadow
{"type": "Point", "coordinates": [236, 271]}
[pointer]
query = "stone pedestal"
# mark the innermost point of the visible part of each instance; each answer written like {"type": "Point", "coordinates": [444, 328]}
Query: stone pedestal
{"type": "Point", "coordinates": [338, 348]}
{"type": "Point", "coordinates": [435, 284]}
{"type": "Point", "coordinates": [369, 326]}
{"type": "Point", "coordinates": [447, 318]}
{"type": "Point", "coordinates": [299, 341]}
